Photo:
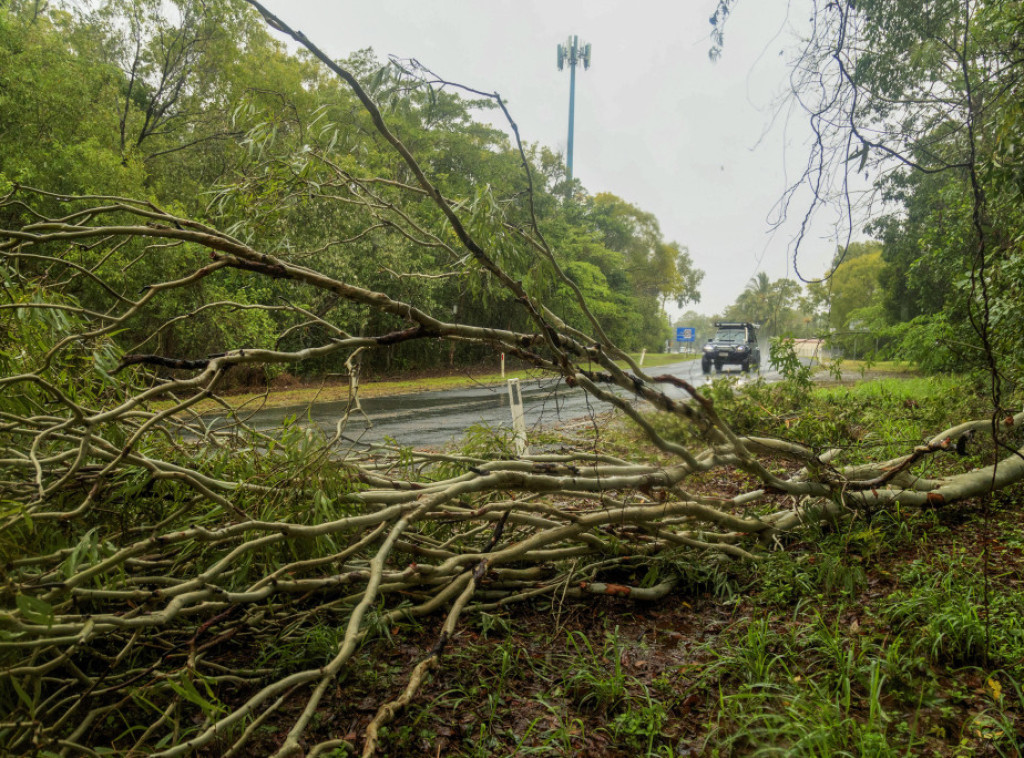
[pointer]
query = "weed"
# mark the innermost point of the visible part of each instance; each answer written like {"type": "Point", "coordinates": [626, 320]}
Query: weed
{"type": "Point", "coordinates": [798, 719]}
{"type": "Point", "coordinates": [488, 622]}
{"type": "Point", "coordinates": [788, 578]}
{"type": "Point", "coordinates": [942, 612]}
{"type": "Point", "coordinates": [783, 358]}
{"type": "Point", "coordinates": [752, 659]}
{"type": "Point", "coordinates": [638, 726]}
{"type": "Point", "coordinates": [566, 732]}
{"type": "Point", "coordinates": [596, 680]}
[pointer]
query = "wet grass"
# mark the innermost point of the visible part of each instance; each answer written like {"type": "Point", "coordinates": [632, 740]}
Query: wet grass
{"type": "Point", "coordinates": [856, 369]}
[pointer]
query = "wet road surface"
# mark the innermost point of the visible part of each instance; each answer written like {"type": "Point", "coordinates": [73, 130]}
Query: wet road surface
{"type": "Point", "coordinates": [435, 419]}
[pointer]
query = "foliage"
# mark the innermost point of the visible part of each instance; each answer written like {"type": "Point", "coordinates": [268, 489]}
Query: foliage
{"type": "Point", "coordinates": [783, 358]}
{"type": "Point", "coordinates": [852, 285]}
{"type": "Point", "coordinates": [877, 417]}
{"type": "Point", "coordinates": [927, 99]}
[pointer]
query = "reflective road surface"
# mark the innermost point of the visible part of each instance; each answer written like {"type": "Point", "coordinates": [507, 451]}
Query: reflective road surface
{"type": "Point", "coordinates": [434, 419]}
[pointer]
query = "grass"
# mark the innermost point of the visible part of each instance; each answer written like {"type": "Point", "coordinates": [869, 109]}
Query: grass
{"type": "Point", "coordinates": [856, 369]}
{"type": "Point", "coordinates": [868, 420]}
{"type": "Point", "coordinates": [335, 390]}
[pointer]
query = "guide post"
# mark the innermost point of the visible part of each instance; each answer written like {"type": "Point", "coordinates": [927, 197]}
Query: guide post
{"type": "Point", "coordinates": [515, 399]}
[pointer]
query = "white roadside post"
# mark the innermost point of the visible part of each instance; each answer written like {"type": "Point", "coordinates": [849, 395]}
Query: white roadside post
{"type": "Point", "coordinates": [354, 367]}
{"type": "Point", "coordinates": [642, 354]}
{"type": "Point", "coordinates": [515, 401]}
{"type": "Point", "coordinates": [502, 365]}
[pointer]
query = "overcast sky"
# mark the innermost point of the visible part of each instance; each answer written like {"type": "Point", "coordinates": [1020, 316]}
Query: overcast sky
{"type": "Point", "coordinates": [699, 144]}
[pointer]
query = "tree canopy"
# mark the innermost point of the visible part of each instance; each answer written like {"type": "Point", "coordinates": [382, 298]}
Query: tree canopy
{"type": "Point", "coordinates": [194, 105]}
{"type": "Point", "coordinates": [928, 98]}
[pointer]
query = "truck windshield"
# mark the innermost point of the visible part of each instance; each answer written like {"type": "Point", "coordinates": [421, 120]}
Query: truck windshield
{"type": "Point", "coordinates": [731, 335]}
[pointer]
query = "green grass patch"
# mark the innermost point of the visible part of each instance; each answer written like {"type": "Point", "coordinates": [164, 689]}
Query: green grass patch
{"type": "Point", "coordinates": [854, 369]}
{"type": "Point", "coordinates": [873, 419]}
{"type": "Point", "coordinates": [872, 643]}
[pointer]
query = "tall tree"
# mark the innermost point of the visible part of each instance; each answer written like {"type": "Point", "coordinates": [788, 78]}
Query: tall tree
{"type": "Point", "coordinates": [854, 283]}
{"type": "Point", "coordinates": [655, 267]}
{"type": "Point", "coordinates": [172, 57]}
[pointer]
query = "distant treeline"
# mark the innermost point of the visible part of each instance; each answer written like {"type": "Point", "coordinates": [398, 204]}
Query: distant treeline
{"type": "Point", "coordinates": [194, 106]}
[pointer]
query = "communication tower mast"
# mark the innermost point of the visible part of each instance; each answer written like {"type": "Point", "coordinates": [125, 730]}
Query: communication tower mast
{"type": "Point", "coordinates": [571, 54]}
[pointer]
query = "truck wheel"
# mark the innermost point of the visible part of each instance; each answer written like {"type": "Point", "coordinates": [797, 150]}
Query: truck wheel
{"type": "Point", "coordinates": [705, 366]}
{"type": "Point", "coordinates": [746, 367]}
{"type": "Point", "coordinates": [718, 367]}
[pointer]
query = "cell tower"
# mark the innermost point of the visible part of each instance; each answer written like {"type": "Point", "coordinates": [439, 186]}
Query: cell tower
{"type": "Point", "coordinates": [572, 53]}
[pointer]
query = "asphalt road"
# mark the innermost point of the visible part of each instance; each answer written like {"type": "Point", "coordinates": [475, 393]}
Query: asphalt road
{"type": "Point", "coordinates": [434, 419]}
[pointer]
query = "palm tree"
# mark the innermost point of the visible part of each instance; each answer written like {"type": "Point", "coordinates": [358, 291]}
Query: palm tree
{"type": "Point", "coordinates": [755, 300]}
{"type": "Point", "coordinates": [764, 301]}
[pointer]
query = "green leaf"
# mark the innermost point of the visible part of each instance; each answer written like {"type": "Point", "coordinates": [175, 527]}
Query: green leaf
{"type": "Point", "coordinates": [186, 688]}
{"type": "Point", "coordinates": [23, 696]}
{"type": "Point", "coordinates": [34, 610]}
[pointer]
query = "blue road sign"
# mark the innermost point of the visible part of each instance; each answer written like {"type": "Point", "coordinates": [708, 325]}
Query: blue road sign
{"type": "Point", "coordinates": [685, 334]}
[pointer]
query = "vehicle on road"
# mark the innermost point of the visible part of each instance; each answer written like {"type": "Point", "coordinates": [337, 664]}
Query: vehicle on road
{"type": "Point", "coordinates": [734, 343]}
